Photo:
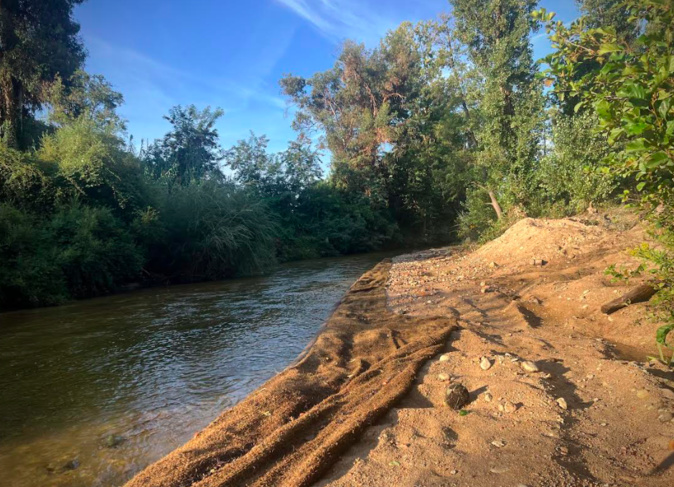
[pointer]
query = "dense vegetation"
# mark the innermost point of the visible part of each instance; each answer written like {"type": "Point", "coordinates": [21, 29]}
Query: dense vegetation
{"type": "Point", "coordinates": [449, 129]}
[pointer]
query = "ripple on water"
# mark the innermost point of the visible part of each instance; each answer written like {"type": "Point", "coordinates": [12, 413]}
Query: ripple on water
{"type": "Point", "coordinates": [93, 391]}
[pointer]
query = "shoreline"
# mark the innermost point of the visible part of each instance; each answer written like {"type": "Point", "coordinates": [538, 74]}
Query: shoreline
{"type": "Point", "coordinates": [364, 404]}
{"type": "Point", "coordinates": [363, 360]}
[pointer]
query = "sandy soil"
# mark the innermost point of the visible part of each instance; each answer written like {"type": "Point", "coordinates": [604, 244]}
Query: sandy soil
{"type": "Point", "coordinates": [556, 395]}
{"type": "Point", "coordinates": [557, 398]}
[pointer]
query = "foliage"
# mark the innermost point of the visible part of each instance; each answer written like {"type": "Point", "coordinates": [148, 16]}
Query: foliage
{"type": "Point", "coordinates": [39, 40]}
{"type": "Point", "coordinates": [571, 175]}
{"type": "Point", "coordinates": [630, 87]}
{"type": "Point", "coordinates": [190, 151]}
{"type": "Point", "coordinates": [212, 230]}
{"type": "Point", "coordinates": [93, 164]}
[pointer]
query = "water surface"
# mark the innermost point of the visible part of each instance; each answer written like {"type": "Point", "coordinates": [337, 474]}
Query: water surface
{"type": "Point", "coordinates": [93, 391]}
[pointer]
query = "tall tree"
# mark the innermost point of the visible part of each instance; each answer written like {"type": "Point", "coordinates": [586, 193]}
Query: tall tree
{"type": "Point", "coordinates": [496, 34]}
{"type": "Point", "coordinates": [38, 41]}
{"type": "Point", "coordinates": [190, 151]}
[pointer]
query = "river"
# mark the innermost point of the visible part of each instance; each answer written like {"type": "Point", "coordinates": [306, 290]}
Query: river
{"type": "Point", "coordinates": [93, 391]}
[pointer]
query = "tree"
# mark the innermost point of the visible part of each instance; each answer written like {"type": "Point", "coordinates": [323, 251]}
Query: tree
{"type": "Point", "coordinates": [39, 41]}
{"type": "Point", "coordinates": [496, 36]}
{"type": "Point", "coordinates": [610, 13]}
{"type": "Point", "coordinates": [190, 151]}
{"type": "Point", "coordinates": [84, 95]}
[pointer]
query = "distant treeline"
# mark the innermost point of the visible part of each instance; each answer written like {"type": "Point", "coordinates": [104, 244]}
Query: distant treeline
{"type": "Point", "coordinates": [449, 129]}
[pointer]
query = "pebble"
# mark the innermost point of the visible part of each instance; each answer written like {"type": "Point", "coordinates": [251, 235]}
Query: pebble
{"type": "Point", "coordinates": [507, 407]}
{"type": "Point", "coordinates": [498, 443]}
{"type": "Point", "coordinates": [561, 402]}
{"type": "Point", "coordinates": [529, 366]}
{"type": "Point", "coordinates": [456, 396]}
{"type": "Point", "coordinates": [485, 363]}
{"type": "Point", "coordinates": [443, 377]}
{"type": "Point", "coordinates": [488, 397]}
{"type": "Point", "coordinates": [444, 357]}
{"type": "Point", "coordinates": [665, 417]}
{"type": "Point", "coordinates": [642, 394]}
{"type": "Point", "coordinates": [499, 469]}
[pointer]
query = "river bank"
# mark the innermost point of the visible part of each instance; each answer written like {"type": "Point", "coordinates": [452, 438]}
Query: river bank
{"type": "Point", "coordinates": [556, 397]}
{"type": "Point", "coordinates": [95, 390]}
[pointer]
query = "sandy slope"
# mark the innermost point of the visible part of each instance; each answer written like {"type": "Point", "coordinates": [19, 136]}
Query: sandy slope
{"type": "Point", "coordinates": [586, 417]}
{"type": "Point", "coordinates": [555, 397]}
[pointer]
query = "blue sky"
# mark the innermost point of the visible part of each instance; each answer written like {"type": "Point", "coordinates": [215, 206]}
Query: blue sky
{"type": "Point", "coordinates": [231, 53]}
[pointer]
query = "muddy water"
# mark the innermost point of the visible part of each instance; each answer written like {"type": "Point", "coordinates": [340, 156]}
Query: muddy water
{"type": "Point", "coordinates": [91, 392]}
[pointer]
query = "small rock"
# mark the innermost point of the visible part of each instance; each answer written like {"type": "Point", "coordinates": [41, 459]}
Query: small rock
{"type": "Point", "coordinates": [529, 366]}
{"type": "Point", "coordinates": [485, 363]}
{"type": "Point", "coordinates": [498, 443]}
{"type": "Point", "coordinates": [563, 450]}
{"type": "Point", "coordinates": [443, 377]}
{"type": "Point", "coordinates": [507, 407]}
{"type": "Point", "coordinates": [456, 396]}
{"type": "Point", "coordinates": [488, 397]}
{"type": "Point", "coordinates": [665, 417]}
{"type": "Point", "coordinates": [499, 469]}
{"type": "Point", "coordinates": [113, 441]}
{"type": "Point", "coordinates": [71, 465]}
{"type": "Point", "coordinates": [561, 402]}
{"type": "Point", "coordinates": [642, 394]}
{"type": "Point", "coordinates": [493, 264]}
{"type": "Point", "coordinates": [538, 262]}
{"type": "Point", "coordinates": [487, 289]}
{"type": "Point", "coordinates": [444, 357]}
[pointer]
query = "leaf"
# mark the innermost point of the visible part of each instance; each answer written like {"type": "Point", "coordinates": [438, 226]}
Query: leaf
{"type": "Point", "coordinates": [661, 334]}
{"type": "Point", "coordinates": [640, 186]}
{"type": "Point", "coordinates": [394, 463]}
{"type": "Point", "coordinates": [578, 106]}
{"type": "Point", "coordinates": [636, 91]}
{"type": "Point", "coordinates": [635, 146]}
{"type": "Point", "coordinates": [607, 48]}
{"type": "Point", "coordinates": [636, 128]}
{"type": "Point", "coordinates": [656, 159]}
{"type": "Point", "coordinates": [463, 412]}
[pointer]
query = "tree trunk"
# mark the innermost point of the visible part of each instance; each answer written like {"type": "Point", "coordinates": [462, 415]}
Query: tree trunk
{"type": "Point", "coordinates": [495, 205]}
{"type": "Point", "coordinates": [10, 112]}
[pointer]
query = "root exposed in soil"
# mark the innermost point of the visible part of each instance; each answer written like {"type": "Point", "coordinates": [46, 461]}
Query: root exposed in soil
{"type": "Point", "coordinates": [293, 428]}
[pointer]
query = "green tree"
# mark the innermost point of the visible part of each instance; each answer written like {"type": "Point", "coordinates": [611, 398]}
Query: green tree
{"type": "Point", "coordinates": [631, 91]}
{"type": "Point", "coordinates": [190, 151]}
{"type": "Point", "coordinates": [510, 115]}
{"type": "Point", "coordinates": [39, 41]}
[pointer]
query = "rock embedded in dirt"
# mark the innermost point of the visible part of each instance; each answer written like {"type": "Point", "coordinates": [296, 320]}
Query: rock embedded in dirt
{"type": "Point", "coordinates": [485, 363]}
{"type": "Point", "coordinates": [444, 357]}
{"type": "Point", "coordinates": [443, 377]}
{"type": "Point", "coordinates": [456, 396]}
{"type": "Point", "coordinates": [488, 397]}
{"type": "Point", "coordinates": [529, 366]}
{"type": "Point", "coordinates": [498, 443]}
{"type": "Point", "coordinates": [561, 402]}
{"type": "Point", "coordinates": [665, 417]}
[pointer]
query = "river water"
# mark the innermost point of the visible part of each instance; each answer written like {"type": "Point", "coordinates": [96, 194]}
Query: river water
{"type": "Point", "coordinates": [93, 391]}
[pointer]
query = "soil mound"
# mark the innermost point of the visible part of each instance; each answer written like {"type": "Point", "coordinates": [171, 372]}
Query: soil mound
{"type": "Point", "coordinates": [293, 428]}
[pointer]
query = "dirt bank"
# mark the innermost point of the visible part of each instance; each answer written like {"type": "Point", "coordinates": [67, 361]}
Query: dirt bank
{"type": "Point", "coordinates": [554, 403]}
{"type": "Point", "coordinates": [292, 429]}
{"type": "Point", "coordinates": [554, 399]}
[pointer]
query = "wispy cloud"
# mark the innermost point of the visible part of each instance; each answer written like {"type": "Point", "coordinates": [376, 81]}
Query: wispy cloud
{"type": "Point", "coordinates": [341, 19]}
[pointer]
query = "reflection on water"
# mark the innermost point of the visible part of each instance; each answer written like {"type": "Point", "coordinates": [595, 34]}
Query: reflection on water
{"type": "Point", "coordinates": [93, 391]}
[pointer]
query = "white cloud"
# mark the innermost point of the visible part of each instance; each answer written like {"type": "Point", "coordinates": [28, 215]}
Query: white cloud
{"type": "Point", "coordinates": [341, 19]}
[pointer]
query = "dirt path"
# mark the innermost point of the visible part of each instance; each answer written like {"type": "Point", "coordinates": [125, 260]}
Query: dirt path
{"type": "Point", "coordinates": [553, 404]}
